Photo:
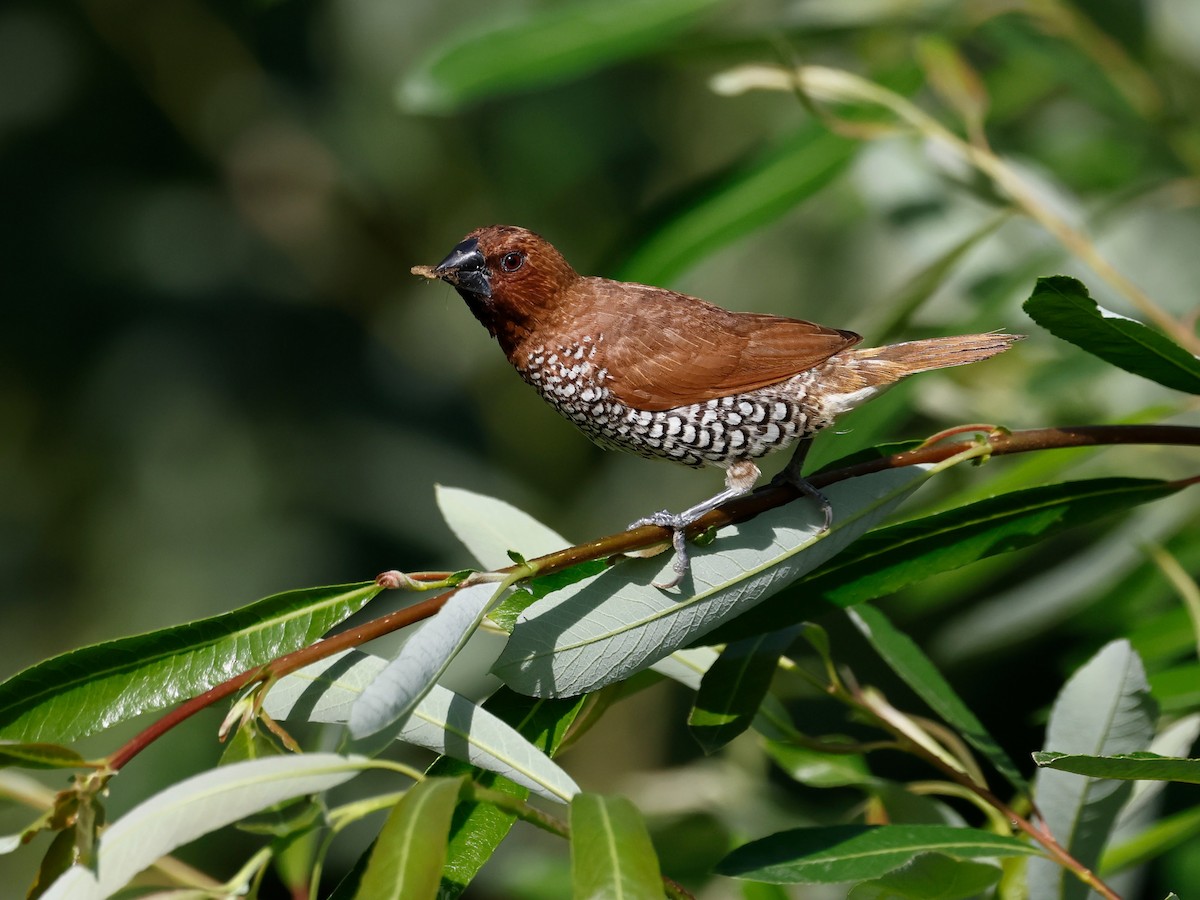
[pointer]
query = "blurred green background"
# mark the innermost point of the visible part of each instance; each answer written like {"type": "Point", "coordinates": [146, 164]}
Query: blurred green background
{"type": "Point", "coordinates": [218, 379]}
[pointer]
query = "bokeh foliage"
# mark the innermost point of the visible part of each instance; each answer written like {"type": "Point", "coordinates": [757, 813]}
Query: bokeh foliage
{"type": "Point", "coordinates": [218, 381]}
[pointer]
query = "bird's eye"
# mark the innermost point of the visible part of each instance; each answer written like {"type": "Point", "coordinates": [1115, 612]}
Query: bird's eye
{"type": "Point", "coordinates": [512, 261]}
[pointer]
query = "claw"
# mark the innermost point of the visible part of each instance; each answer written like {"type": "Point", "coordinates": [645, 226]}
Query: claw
{"type": "Point", "coordinates": [678, 525]}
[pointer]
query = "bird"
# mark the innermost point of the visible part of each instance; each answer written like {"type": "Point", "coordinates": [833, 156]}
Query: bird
{"type": "Point", "coordinates": [668, 376]}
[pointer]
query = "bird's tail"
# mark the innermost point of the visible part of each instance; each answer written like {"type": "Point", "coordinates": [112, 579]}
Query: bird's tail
{"type": "Point", "coordinates": [900, 360]}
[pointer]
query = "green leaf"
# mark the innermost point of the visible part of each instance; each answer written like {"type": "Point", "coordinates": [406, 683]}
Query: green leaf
{"type": "Point", "coordinates": [733, 688]}
{"type": "Point", "coordinates": [558, 650]}
{"type": "Point", "coordinates": [422, 660]}
{"type": "Point", "coordinates": [548, 46]}
{"type": "Point", "coordinates": [817, 769]}
{"type": "Point", "coordinates": [478, 828]}
{"type": "Point", "coordinates": [406, 862]}
{"type": "Point", "coordinates": [834, 853]}
{"type": "Point", "coordinates": [1063, 307]}
{"type": "Point", "coordinates": [1153, 841]}
{"type": "Point", "coordinates": [93, 688]}
{"type": "Point", "coordinates": [908, 661]}
{"type": "Point", "coordinates": [888, 559]}
{"type": "Point", "coordinates": [489, 528]}
{"type": "Point", "coordinates": [1104, 709]}
{"type": "Point", "coordinates": [443, 721]}
{"type": "Point", "coordinates": [196, 806]}
{"type": "Point", "coordinates": [40, 756]}
{"type": "Point", "coordinates": [1125, 766]}
{"type": "Point", "coordinates": [611, 853]}
{"type": "Point", "coordinates": [930, 876]}
{"type": "Point", "coordinates": [758, 192]}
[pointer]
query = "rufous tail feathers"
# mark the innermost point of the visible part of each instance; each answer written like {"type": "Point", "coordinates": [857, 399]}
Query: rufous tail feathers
{"type": "Point", "coordinates": [900, 360]}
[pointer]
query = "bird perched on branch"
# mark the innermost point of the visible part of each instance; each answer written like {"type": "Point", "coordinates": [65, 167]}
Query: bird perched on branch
{"type": "Point", "coordinates": [668, 376]}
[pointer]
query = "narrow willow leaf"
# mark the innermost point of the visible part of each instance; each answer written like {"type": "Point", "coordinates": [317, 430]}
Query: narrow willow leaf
{"type": "Point", "coordinates": [687, 667]}
{"type": "Point", "coordinates": [478, 827]}
{"type": "Point", "coordinates": [545, 47]}
{"type": "Point", "coordinates": [443, 721]}
{"type": "Point", "coordinates": [196, 806]}
{"type": "Point", "coordinates": [930, 876]}
{"type": "Point", "coordinates": [889, 559]}
{"type": "Point", "coordinates": [39, 756]}
{"type": "Point", "coordinates": [93, 688]}
{"type": "Point", "coordinates": [1155, 840]}
{"type": "Point", "coordinates": [406, 862]}
{"type": "Point", "coordinates": [758, 192]}
{"type": "Point", "coordinates": [611, 853]}
{"type": "Point", "coordinates": [604, 629]}
{"type": "Point", "coordinates": [734, 687]}
{"type": "Point", "coordinates": [490, 528]}
{"type": "Point", "coordinates": [1063, 307]}
{"type": "Point", "coordinates": [1124, 767]}
{"type": "Point", "coordinates": [422, 660]}
{"type": "Point", "coordinates": [817, 769]}
{"type": "Point", "coordinates": [908, 661]}
{"type": "Point", "coordinates": [1104, 709]}
{"type": "Point", "coordinates": [829, 854]}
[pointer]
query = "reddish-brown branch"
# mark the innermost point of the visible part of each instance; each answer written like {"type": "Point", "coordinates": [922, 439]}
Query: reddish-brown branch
{"type": "Point", "coordinates": [767, 497]}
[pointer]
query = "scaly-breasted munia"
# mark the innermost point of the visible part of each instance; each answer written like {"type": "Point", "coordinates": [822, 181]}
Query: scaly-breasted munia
{"type": "Point", "coordinates": [668, 376]}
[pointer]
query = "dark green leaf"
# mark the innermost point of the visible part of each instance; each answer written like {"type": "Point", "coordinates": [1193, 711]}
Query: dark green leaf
{"type": "Point", "coordinates": [545, 47]}
{"type": "Point", "coordinates": [757, 193]}
{"type": "Point", "coordinates": [1063, 307]}
{"type": "Point", "coordinates": [888, 559]}
{"type": "Point", "coordinates": [40, 756]}
{"type": "Point", "coordinates": [733, 688]}
{"type": "Point", "coordinates": [477, 829]}
{"type": "Point", "coordinates": [909, 662]}
{"type": "Point", "coordinates": [1125, 766]}
{"type": "Point", "coordinates": [836, 853]}
{"type": "Point", "coordinates": [406, 861]}
{"type": "Point", "coordinates": [817, 769]}
{"type": "Point", "coordinates": [90, 689]}
{"type": "Point", "coordinates": [930, 877]}
{"type": "Point", "coordinates": [611, 853]}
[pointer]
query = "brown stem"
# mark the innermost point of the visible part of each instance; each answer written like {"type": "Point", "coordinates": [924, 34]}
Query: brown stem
{"type": "Point", "coordinates": [767, 497]}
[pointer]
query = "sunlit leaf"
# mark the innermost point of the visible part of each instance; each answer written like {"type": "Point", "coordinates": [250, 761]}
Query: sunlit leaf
{"type": "Point", "coordinates": [478, 827]}
{"type": "Point", "coordinates": [1104, 709]}
{"type": "Point", "coordinates": [1125, 766]}
{"type": "Point", "coordinates": [406, 862]}
{"type": "Point", "coordinates": [1063, 307]}
{"type": "Point", "coordinates": [196, 806]}
{"type": "Point", "coordinates": [490, 528]}
{"type": "Point", "coordinates": [604, 629]}
{"type": "Point", "coordinates": [611, 853]}
{"type": "Point", "coordinates": [443, 721]}
{"type": "Point", "coordinates": [888, 559]}
{"type": "Point", "coordinates": [93, 688]}
{"type": "Point", "coordinates": [422, 660]}
{"type": "Point", "coordinates": [834, 853]}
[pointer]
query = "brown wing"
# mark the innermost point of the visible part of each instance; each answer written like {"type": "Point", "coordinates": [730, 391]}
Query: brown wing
{"type": "Point", "coordinates": [664, 349]}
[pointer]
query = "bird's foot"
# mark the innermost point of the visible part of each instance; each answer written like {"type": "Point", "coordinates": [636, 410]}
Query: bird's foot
{"type": "Point", "coordinates": [804, 487]}
{"type": "Point", "coordinates": [678, 525]}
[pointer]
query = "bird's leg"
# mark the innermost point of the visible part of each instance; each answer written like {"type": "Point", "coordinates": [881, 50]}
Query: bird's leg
{"type": "Point", "coordinates": [739, 479]}
{"type": "Point", "coordinates": [791, 475]}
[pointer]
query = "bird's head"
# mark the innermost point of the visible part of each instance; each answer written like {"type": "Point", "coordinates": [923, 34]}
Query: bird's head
{"type": "Point", "coordinates": [510, 277]}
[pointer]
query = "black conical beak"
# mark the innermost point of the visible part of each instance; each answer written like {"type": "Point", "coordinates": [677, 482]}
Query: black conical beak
{"type": "Point", "coordinates": [466, 269]}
